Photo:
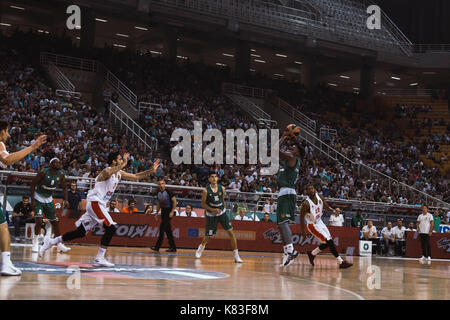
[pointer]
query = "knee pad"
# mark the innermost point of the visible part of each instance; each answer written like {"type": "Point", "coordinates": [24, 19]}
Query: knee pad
{"type": "Point", "coordinates": [109, 233]}
{"type": "Point", "coordinates": [323, 246]}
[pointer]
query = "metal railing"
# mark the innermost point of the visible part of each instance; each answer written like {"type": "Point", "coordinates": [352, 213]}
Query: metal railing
{"type": "Point", "coordinates": [149, 106]}
{"type": "Point", "coordinates": [69, 62]}
{"type": "Point", "coordinates": [68, 94]}
{"type": "Point", "coordinates": [262, 117]}
{"type": "Point", "coordinates": [132, 127]}
{"type": "Point", "coordinates": [304, 121]}
{"type": "Point", "coordinates": [60, 78]}
{"type": "Point", "coordinates": [120, 87]}
{"type": "Point", "coordinates": [253, 201]}
{"type": "Point", "coordinates": [243, 90]}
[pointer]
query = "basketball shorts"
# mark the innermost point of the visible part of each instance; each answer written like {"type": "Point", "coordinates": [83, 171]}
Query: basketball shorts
{"type": "Point", "coordinates": [96, 214]}
{"type": "Point", "coordinates": [286, 208]}
{"type": "Point", "coordinates": [2, 217]}
{"type": "Point", "coordinates": [319, 230]}
{"type": "Point", "coordinates": [211, 224]}
{"type": "Point", "coordinates": [46, 210]}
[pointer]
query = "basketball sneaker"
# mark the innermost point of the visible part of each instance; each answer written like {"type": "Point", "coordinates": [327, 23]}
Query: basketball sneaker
{"type": "Point", "coordinates": [290, 257]}
{"type": "Point", "coordinates": [35, 247]}
{"type": "Point", "coordinates": [345, 265]}
{"type": "Point", "coordinates": [311, 257]}
{"type": "Point", "coordinates": [102, 262]}
{"type": "Point", "coordinates": [429, 258]}
{"type": "Point", "coordinates": [10, 270]}
{"type": "Point", "coordinates": [237, 259]}
{"type": "Point", "coordinates": [47, 245]}
{"type": "Point", "coordinates": [63, 248]}
{"type": "Point", "coordinates": [199, 251]}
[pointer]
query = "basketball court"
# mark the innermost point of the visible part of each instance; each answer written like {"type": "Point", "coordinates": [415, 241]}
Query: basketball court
{"type": "Point", "coordinates": [142, 274]}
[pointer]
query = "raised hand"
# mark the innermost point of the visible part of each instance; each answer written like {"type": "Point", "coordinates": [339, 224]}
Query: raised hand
{"type": "Point", "coordinates": [156, 165]}
{"type": "Point", "coordinates": [39, 141]}
{"type": "Point", "coordinates": [125, 159]}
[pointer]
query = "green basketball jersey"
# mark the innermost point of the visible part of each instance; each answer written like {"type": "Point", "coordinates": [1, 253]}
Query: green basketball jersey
{"type": "Point", "coordinates": [47, 186]}
{"type": "Point", "coordinates": [287, 176]}
{"type": "Point", "coordinates": [214, 199]}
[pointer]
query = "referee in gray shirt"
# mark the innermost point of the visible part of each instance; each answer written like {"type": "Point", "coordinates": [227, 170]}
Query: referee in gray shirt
{"type": "Point", "coordinates": [167, 203]}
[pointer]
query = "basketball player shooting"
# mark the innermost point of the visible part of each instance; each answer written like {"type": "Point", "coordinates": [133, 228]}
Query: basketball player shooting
{"type": "Point", "coordinates": [311, 212]}
{"type": "Point", "coordinates": [96, 210]}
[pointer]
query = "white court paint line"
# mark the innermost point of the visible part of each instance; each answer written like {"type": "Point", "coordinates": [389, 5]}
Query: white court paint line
{"type": "Point", "coordinates": [414, 259]}
{"type": "Point", "coordinates": [359, 297]}
{"type": "Point", "coordinates": [192, 275]}
{"type": "Point", "coordinates": [21, 245]}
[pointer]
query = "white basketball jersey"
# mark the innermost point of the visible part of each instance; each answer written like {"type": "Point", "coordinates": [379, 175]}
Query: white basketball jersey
{"type": "Point", "coordinates": [315, 209]}
{"type": "Point", "coordinates": [5, 154]}
{"type": "Point", "coordinates": [104, 190]}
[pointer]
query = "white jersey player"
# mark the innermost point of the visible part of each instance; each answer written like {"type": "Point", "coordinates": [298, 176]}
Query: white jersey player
{"type": "Point", "coordinates": [311, 213]}
{"type": "Point", "coordinates": [96, 209]}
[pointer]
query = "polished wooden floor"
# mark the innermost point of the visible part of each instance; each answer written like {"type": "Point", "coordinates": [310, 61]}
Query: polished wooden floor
{"type": "Point", "coordinates": [216, 276]}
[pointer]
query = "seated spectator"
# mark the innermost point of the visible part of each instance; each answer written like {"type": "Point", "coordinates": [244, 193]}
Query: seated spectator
{"type": "Point", "coordinates": [336, 219]}
{"type": "Point", "coordinates": [234, 185]}
{"type": "Point", "coordinates": [22, 214]}
{"type": "Point", "coordinates": [131, 207]}
{"type": "Point", "coordinates": [370, 233]}
{"type": "Point", "coordinates": [266, 218]}
{"type": "Point", "coordinates": [112, 206]}
{"type": "Point", "coordinates": [241, 214]}
{"type": "Point", "coordinates": [149, 209]}
{"type": "Point", "coordinates": [411, 227]}
{"type": "Point", "coordinates": [388, 237]}
{"type": "Point", "coordinates": [188, 212]}
{"type": "Point", "coordinates": [399, 233]}
{"type": "Point", "coordinates": [358, 221]}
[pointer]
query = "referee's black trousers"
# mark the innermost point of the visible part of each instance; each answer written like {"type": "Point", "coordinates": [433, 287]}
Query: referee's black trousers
{"type": "Point", "coordinates": [425, 243]}
{"type": "Point", "coordinates": [165, 227]}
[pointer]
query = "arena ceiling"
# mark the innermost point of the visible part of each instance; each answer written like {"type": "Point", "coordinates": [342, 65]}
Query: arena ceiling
{"type": "Point", "coordinates": [126, 28]}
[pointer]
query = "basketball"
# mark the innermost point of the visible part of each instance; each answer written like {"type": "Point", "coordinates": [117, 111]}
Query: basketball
{"type": "Point", "coordinates": [292, 131]}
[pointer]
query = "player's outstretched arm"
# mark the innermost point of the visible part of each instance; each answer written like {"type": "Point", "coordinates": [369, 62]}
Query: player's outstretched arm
{"type": "Point", "coordinates": [19, 155]}
{"type": "Point", "coordinates": [303, 212]}
{"type": "Point", "coordinates": [108, 172]}
{"type": "Point", "coordinates": [141, 175]}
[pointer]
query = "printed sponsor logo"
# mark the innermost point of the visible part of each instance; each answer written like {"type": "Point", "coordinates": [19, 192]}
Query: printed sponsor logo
{"type": "Point", "coordinates": [192, 233]}
{"type": "Point", "coordinates": [134, 231]}
{"type": "Point", "coordinates": [297, 239]}
{"type": "Point", "coordinates": [240, 234]}
{"type": "Point", "coordinates": [444, 243]}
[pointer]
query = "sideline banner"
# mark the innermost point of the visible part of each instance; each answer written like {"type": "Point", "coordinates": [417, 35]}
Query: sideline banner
{"type": "Point", "coordinates": [138, 230]}
{"type": "Point", "coordinates": [439, 243]}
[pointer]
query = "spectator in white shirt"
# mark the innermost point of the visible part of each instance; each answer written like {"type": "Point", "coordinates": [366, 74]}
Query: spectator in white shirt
{"type": "Point", "coordinates": [188, 212]}
{"type": "Point", "coordinates": [268, 208]}
{"type": "Point", "coordinates": [399, 233]}
{"type": "Point", "coordinates": [234, 185]}
{"type": "Point", "coordinates": [370, 233]}
{"type": "Point", "coordinates": [336, 219]}
{"type": "Point", "coordinates": [388, 237]}
{"type": "Point", "coordinates": [112, 206]}
{"type": "Point", "coordinates": [411, 227]}
{"type": "Point", "coordinates": [425, 224]}
{"type": "Point", "coordinates": [241, 215]}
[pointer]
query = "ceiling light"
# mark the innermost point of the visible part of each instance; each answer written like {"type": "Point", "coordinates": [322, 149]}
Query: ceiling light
{"type": "Point", "coordinates": [122, 35]}
{"type": "Point", "coordinates": [396, 78]}
{"type": "Point", "coordinates": [332, 84]}
{"type": "Point", "coordinates": [16, 7]}
{"type": "Point", "coordinates": [5, 24]}
{"type": "Point", "coordinates": [119, 45]}
{"type": "Point", "coordinates": [228, 55]}
{"type": "Point", "coordinates": [279, 75]}
{"type": "Point", "coordinates": [298, 62]}
{"type": "Point", "coordinates": [101, 20]}
{"type": "Point", "coordinates": [345, 77]}
{"type": "Point", "coordinates": [141, 28]}
{"type": "Point", "coordinates": [281, 55]}
{"type": "Point", "coordinates": [221, 64]}
{"type": "Point", "coordinates": [182, 57]}
{"type": "Point", "coordinates": [255, 55]}
{"type": "Point", "coordinates": [155, 52]}
{"type": "Point", "coordinates": [253, 50]}
{"type": "Point", "coordinates": [260, 61]}
{"type": "Point", "coordinates": [414, 84]}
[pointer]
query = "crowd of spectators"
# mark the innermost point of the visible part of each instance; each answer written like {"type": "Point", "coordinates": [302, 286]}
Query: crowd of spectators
{"type": "Point", "coordinates": [82, 137]}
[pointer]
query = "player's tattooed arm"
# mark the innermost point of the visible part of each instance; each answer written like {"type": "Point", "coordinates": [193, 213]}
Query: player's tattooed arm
{"type": "Point", "coordinates": [108, 172]}
{"type": "Point", "coordinates": [9, 159]}
{"type": "Point", "coordinates": [147, 173]}
{"type": "Point", "coordinates": [205, 206]}
{"type": "Point", "coordinates": [34, 183]}
{"type": "Point", "coordinates": [303, 212]}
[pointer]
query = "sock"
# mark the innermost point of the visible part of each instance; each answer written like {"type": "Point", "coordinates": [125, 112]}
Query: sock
{"type": "Point", "coordinates": [201, 246]}
{"type": "Point", "coordinates": [35, 238]}
{"type": "Point", "coordinates": [101, 253]}
{"type": "Point", "coordinates": [339, 259]}
{"type": "Point", "coordinates": [6, 258]}
{"type": "Point", "coordinates": [236, 254]}
{"type": "Point", "coordinates": [316, 251]}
